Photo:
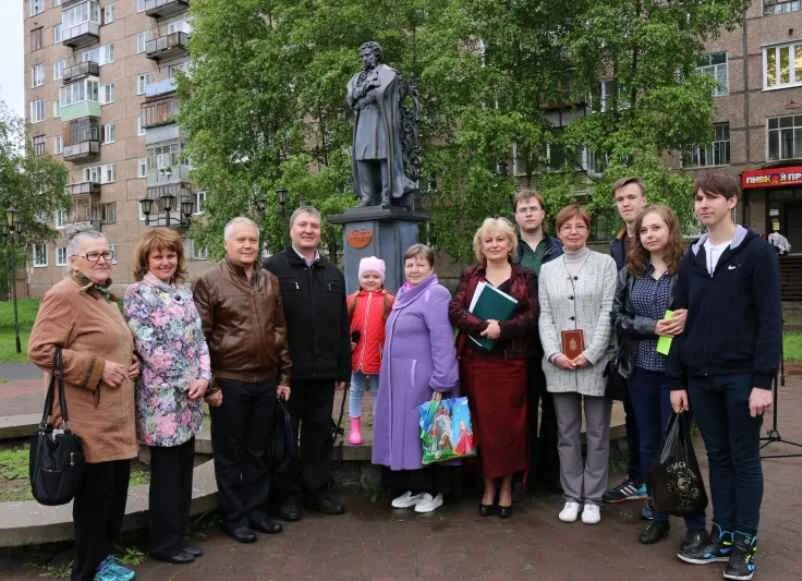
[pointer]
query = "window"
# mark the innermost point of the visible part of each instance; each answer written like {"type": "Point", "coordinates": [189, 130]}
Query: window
{"type": "Point", "coordinates": [58, 70]}
{"type": "Point", "coordinates": [714, 65]}
{"type": "Point", "coordinates": [141, 42]}
{"type": "Point", "coordinates": [199, 252]}
{"type": "Point", "coordinates": [710, 154]}
{"type": "Point", "coordinates": [107, 94]}
{"type": "Point", "coordinates": [782, 66]}
{"type": "Point", "coordinates": [35, 7]}
{"type": "Point", "coordinates": [61, 256]}
{"type": "Point", "coordinates": [91, 54]}
{"type": "Point", "coordinates": [108, 213]}
{"type": "Point", "coordinates": [140, 130]}
{"type": "Point", "coordinates": [140, 5]}
{"type": "Point", "coordinates": [107, 173]}
{"type": "Point", "coordinates": [106, 54]}
{"type": "Point", "coordinates": [39, 143]}
{"type": "Point", "coordinates": [113, 248]}
{"type": "Point", "coordinates": [58, 144]}
{"type": "Point", "coordinates": [56, 33]}
{"type": "Point", "coordinates": [142, 168]}
{"type": "Point", "coordinates": [108, 14]}
{"type": "Point", "coordinates": [60, 218]}
{"type": "Point", "coordinates": [39, 255]}
{"type": "Point", "coordinates": [780, 6]}
{"type": "Point", "coordinates": [56, 3]}
{"type": "Point", "coordinates": [37, 110]}
{"type": "Point", "coordinates": [56, 110]}
{"type": "Point", "coordinates": [785, 137]}
{"type": "Point", "coordinates": [37, 75]}
{"type": "Point", "coordinates": [109, 133]}
{"type": "Point", "coordinates": [200, 203]}
{"type": "Point", "coordinates": [142, 82]}
{"type": "Point", "coordinates": [36, 38]}
{"type": "Point", "coordinates": [92, 174]}
{"type": "Point", "coordinates": [79, 14]}
{"type": "Point", "coordinates": [83, 90]}
{"type": "Point", "coordinates": [175, 68]}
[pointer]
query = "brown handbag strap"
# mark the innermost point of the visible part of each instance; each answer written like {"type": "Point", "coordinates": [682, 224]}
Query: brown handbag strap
{"type": "Point", "coordinates": [56, 382]}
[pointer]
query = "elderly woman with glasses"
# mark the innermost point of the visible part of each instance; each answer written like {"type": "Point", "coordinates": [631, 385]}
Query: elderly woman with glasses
{"type": "Point", "coordinates": [81, 316]}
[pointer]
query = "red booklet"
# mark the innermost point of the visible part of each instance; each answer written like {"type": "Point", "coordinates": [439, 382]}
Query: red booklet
{"type": "Point", "coordinates": [573, 343]}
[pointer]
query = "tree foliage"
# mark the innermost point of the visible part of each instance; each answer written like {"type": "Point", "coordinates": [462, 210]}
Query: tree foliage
{"type": "Point", "coordinates": [265, 108]}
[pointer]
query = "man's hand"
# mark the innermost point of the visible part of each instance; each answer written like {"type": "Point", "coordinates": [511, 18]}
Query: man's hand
{"type": "Point", "coordinates": [114, 374]}
{"type": "Point", "coordinates": [197, 388]}
{"type": "Point", "coordinates": [492, 331]}
{"type": "Point", "coordinates": [283, 392]}
{"type": "Point", "coordinates": [215, 399]}
{"type": "Point", "coordinates": [679, 400]}
{"type": "Point", "coordinates": [760, 401]}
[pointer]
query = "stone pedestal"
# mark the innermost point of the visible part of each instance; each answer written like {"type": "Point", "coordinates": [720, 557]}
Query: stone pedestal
{"type": "Point", "coordinates": [377, 231]}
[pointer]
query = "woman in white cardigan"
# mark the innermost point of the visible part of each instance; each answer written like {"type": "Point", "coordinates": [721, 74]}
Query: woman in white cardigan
{"type": "Point", "coordinates": [576, 294]}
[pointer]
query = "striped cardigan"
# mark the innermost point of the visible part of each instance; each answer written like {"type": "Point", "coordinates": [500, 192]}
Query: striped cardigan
{"type": "Point", "coordinates": [584, 303]}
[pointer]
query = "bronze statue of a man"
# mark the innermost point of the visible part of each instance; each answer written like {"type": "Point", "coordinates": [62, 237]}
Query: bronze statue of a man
{"type": "Point", "coordinates": [375, 95]}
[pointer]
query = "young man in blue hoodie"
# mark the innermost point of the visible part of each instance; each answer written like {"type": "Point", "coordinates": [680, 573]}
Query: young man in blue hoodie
{"type": "Point", "coordinates": [723, 364]}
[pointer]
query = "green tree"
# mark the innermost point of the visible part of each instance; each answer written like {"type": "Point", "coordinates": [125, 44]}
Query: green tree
{"type": "Point", "coordinates": [33, 184]}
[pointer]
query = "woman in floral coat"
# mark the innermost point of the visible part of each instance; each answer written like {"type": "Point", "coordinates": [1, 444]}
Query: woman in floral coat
{"type": "Point", "coordinates": [169, 397]}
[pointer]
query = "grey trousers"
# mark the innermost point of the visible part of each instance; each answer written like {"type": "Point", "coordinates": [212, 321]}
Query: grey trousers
{"type": "Point", "coordinates": [583, 480]}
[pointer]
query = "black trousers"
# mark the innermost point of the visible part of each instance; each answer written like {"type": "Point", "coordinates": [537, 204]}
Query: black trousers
{"type": "Point", "coordinates": [241, 430]}
{"type": "Point", "coordinates": [170, 496]}
{"type": "Point", "coordinates": [310, 406]}
{"type": "Point", "coordinates": [97, 514]}
{"type": "Point", "coordinates": [544, 461]}
{"type": "Point", "coordinates": [633, 443]}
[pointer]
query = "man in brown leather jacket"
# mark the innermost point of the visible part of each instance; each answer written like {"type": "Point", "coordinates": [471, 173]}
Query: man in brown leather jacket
{"type": "Point", "coordinates": [243, 320]}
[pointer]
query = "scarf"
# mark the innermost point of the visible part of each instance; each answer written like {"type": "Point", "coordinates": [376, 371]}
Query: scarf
{"type": "Point", "coordinates": [87, 285]}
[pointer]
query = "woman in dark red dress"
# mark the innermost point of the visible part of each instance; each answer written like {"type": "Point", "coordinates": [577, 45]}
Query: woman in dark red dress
{"type": "Point", "coordinates": [495, 380]}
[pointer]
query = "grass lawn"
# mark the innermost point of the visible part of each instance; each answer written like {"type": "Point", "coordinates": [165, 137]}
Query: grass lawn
{"type": "Point", "coordinates": [8, 346]}
{"type": "Point", "coordinates": [27, 313]}
{"type": "Point", "coordinates": [792, 346]}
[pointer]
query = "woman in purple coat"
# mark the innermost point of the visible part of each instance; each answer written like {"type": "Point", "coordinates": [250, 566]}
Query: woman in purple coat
{"type": "Point", "coordinates": [418, 361]}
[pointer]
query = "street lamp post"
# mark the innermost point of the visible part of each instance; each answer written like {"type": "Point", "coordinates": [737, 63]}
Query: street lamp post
{"type": "Point", "coordinates": [13, 228]}
{"type": "Point", "coordinates": [281, 195]}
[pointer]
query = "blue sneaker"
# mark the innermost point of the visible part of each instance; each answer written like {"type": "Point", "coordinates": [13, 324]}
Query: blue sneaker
{"type": "Point", "coordinates": [701, 549]}
{"type": "Point", "coordinates": [111, 569]}
{"type": "Point", "coordinates": [741, 564]}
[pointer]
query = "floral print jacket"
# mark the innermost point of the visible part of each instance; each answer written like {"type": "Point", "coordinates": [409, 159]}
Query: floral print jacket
{"type": "Point", "coordinates": [170, 342]}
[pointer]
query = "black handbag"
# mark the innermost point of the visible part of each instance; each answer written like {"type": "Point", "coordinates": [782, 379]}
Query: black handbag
{"type": "Point", "coordinates": [56, 461]}
{"type": "Point", "coordinates": [284, 447]}
{"type": "Point", "coordinates": [615, 386]}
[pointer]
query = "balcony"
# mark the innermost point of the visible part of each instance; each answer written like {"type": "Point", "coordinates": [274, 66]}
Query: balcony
{"type": "Point", "coordinates": [159, 88]}
{"type": "Point", "coordinates": [84, 189]}
{"type": "Point", "coordinates": [175, 175]}
{"type": "Point", "coordinates": [167, 47]}
{"type": "Point", "coordinates": [79, 71]}
{"type": "Point", "coordinates": [81, 151]}
{"type": "Point", "coordinates": [80, 109]}
{"type": "Point", "coordinates": [165, 8]}
{"type": "Point", "coordinates": [161, 112]}
{"type": "Point", "coordinates": [81, 35]}
{"type": "Point", "coordinates": [178, 189]}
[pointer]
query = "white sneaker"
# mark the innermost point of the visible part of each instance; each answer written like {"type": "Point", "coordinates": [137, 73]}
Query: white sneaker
{"type": "Point", "coordinates": [428, 503]}
{"type": "Point", "coordinates": [591, 515]}
{"type": "Point", "coordinates": [406, 500]}
{"type": "Point", "coordinates": [570, 511]}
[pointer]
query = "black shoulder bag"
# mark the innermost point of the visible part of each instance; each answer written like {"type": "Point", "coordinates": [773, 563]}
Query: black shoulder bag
{"type": "Point", "coordinates": [56, 461]}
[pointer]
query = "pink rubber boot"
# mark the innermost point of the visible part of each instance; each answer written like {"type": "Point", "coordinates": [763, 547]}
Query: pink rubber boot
{"type": "Point", "coordinates": [355, 433]}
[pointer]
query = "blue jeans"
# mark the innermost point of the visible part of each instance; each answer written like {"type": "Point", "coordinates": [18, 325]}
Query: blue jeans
{"type": "Point", "coordinates": [651, 402]}
{"type": "Point", "coordinates": [732, 437]}
{"type": "Point", "coordinates": [359, 383]}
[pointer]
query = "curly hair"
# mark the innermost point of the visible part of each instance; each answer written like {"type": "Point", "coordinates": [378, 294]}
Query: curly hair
{"type": "Point", "coordinates": [159, 239]}
{"type": "Point", "coordinates": [499, 225]}
{"type": "Point", "coordinates": [638, 255]}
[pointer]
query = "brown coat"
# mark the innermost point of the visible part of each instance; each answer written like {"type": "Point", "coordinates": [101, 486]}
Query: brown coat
{"type": "Point", "coordinates": [244, 324]}
{"type": "Point", "coordinates": [90, 330]}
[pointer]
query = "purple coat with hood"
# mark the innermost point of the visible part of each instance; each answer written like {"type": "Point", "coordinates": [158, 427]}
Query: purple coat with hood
{"type": "Point", "coordinates": [418, 359]}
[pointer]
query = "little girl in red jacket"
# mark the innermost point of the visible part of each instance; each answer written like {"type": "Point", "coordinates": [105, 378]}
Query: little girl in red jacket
{"type": "Point", "coordinates": [367, 309]}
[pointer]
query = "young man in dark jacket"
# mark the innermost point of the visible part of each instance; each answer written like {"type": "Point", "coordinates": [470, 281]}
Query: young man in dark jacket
{"type": "Point", "coordinates": [535, 248]}
{"type": "Point", "coordinates": [723, 364]}
{"type": "Point", "coordinates": [313, 292]}
{"type": "Point", "coordinates": [629, 195]}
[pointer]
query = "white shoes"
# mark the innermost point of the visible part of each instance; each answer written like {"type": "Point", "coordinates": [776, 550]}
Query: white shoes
{"type": "Point", "coordinates": [591, 515]}
{"type": "Point", "coordinates": [428, 503]}
{"type": "Point", "coordinates": [407, 500]}
{"type": "Point", "coordinates": [570, 511]}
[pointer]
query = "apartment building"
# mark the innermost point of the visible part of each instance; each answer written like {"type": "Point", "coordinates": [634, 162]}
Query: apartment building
{"type": "Point", "coordinates": [100, 91]}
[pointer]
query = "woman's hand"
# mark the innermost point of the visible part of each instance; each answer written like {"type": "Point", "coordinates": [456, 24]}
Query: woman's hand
{"type": "Point", "coordinates": [673, 326]}
{"type": "Point", "coordinates": [133, 369]}
{"type": "Point", "coordinates": [581, 361]}
{"type": "Point", "coordinates": [197, 388]}
{"type": "Point", "coordinates": [283, 392]}
{"type": "Point", "coordinates": [114, 373]}
{"type": "Point", "coordinates": [215, 399]}
{"type": "Point", "coordinates": [492, 331]}
{"type": "Point", "coordinates": [561, 361]}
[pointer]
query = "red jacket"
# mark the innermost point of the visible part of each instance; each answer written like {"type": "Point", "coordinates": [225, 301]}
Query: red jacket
{"type": "Point", "coordinates": [368, 312]}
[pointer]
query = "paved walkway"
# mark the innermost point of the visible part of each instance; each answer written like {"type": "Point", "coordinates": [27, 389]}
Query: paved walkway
{"type": "Point", "coordinates": [373, 542]}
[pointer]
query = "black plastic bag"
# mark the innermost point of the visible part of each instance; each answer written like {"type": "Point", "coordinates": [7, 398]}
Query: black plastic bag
{"type": "Point", "coordinates": [676, 482]}
{"type": "Point", "coordinates": [284, 447]}
{"type": "Point", "coordinates": [615, 385]}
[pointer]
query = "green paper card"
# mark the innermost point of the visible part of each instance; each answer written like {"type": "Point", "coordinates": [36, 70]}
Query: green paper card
{"type": "Point", "coordinates": [664, 343]}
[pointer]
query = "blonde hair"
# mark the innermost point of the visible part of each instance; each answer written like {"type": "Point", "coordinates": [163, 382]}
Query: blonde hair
{"type": "Point", "coordinates": [159, 239]}
{"type": "Point", "coordinates": [495, 225]}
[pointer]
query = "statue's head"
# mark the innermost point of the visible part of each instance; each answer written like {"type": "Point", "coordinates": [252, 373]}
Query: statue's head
{"type": "Point", "coordinates": [371, 53]}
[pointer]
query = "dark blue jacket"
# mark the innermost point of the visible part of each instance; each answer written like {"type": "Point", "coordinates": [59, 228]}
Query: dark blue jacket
{"type": "Point", "coordinates": [619, 250]}
{"type": "Point", "coordinates": [734, 322]}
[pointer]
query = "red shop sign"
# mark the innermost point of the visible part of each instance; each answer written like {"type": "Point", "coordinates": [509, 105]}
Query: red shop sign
{"type": "Point", "coordinates": [776, 177]}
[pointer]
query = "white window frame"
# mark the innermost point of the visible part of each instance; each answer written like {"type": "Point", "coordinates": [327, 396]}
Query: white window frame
{"type": "Point", "coordinates": [56, 109]}
{"type": "Point", "coordinates": [37, 75]}
{"type": "Point", "coordinates": [35, 7]}
{"type": "Point", "coordinates": [142, 167]}
{"type": "Point", "coordinates": [109, 133]}
{"type": "Point", "coordinates": [142, 81]}
{"type": "Point", "coordinates": [37, 110]}
{"type": "Point", "coordinates": [38, 261]}
{"type": "Point", "coordinates": [106, 94]}
{"type": "Point", "coordinates": [61, 256]}
{"type": "Point", "coordinates": [140, 130]}
{"type": "Point", "coordinates": [200, 203]}
{"type": "Point", "coordinates": [777, 49]}
{"type": "Point", "coordinates": [142, 39]}
{"type": "Point", "coordinates": [58, 70]}
{"type": "Point", "coordinates": [795, 128]}
{"type": "Point", "coordinates": [82, 90]}
{"type": "Point", "coordinates": [92, 174]}
{"type": "Point", "coordinates": [781, 7]}
{"type": "Point", "coordinates": [58, 145]}
{"type": "Point", "coordinates": [113, 249]}
{"type": "Point", "coordinates": [60, 218]}
{"type": "Point", "coordinates": [39, 144]}
{"type": "Point", "coordinates": [713, 152]}
{"type": "Point", "coordinates": [108, 14]}
{"type": "Point", "coordinates": [719, 72]}
{"type": "Point", "coordinates": [140, 5]}
{"type": "Point", "coordinates": [57, 33]}
{"type": "Point", "coordinates": [107, 173]}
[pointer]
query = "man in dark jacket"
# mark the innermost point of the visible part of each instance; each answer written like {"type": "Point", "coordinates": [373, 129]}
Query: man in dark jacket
{"type": "Point", "coordinates": [535, 248]}
{"type": "Point", "coordinates": [243, 320]}
{"type": "Point", "coordinates": [313, 291]}
{"type": "Point", "coordinates": [723, 364]}
{"type": "Point", "coordinates": [629, 195]}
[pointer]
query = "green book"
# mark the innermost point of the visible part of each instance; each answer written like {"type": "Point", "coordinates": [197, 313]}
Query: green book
{"type": "Point", "coordinates": [490, 303]}
{"type": "Point", "coordinates": [664, 343]}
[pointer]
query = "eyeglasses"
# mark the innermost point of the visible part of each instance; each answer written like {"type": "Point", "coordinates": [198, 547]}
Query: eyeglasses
{"type": "Point", "coordinates": [95, 256]}
{"type": "Point", "coordinates": [573, 227]}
